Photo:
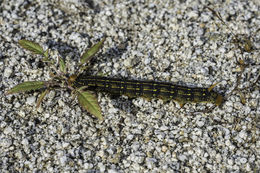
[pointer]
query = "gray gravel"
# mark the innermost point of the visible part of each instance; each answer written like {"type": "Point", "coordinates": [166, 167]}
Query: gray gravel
{"type": "Point", "coordinates": [180, 42]}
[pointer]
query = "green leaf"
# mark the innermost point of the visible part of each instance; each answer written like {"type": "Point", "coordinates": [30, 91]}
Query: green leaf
{"type": "Point", "coordinates": [90, 103]}
{"type": "Point", "coordinates": [27, 86]}
{"type": "Point", "coordinates": [62, 65]}
{"type": "Point", "coordinates": [40, 99]}
{"type": "Point", "coordinates": [88, 54]}
{"type": "Point", "coordinates": [46, 54]}
{"type": "Point", "coordinates": [32, 46]}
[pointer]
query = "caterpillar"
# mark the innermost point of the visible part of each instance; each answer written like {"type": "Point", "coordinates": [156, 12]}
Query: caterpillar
{"type": "Point", "coordinates": [147, 89]}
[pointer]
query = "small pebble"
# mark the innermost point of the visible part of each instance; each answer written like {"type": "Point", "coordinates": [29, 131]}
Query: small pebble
{"type": "Point", "coordinates": [243, 160]}
{"type": "Point", "coordinates": [8, 71]}
{"type": "Point", "coordinates": [31, 100]}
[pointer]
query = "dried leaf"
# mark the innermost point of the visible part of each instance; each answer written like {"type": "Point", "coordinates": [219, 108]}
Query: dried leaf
{"type": "Point", "coordinates": [27, 86]}
{"type": "Point", "coordinates": [213, 86]}
{"type": "Point", "coordinates": [89, 102]}
{"type": "Point", "coordinates": [248, 45]}
{"type": "Point", "coordinates": [40, 99]}
{"type": "Point", "coordinates": [32, 46]}
{"type": "Point", "coordinates": [242, 98]}
{"type": "Point", "coordinates": [217, 14]}
{"type": "Point", "coordinates": [88, 54]}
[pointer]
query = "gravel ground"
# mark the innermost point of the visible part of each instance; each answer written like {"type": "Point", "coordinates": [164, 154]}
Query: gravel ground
{"type": "Point", "coordinates": [181, 42]}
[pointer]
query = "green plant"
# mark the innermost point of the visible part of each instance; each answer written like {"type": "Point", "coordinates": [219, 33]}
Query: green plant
{"type": "Point", "coordinates": [61, 80]}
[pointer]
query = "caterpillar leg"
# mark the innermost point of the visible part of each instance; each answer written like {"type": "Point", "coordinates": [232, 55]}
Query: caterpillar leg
{"type": "Point", "coordinates": [181, 103]}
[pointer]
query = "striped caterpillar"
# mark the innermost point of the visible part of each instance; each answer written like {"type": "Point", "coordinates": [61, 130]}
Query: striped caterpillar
{"type": "Point", "coordinates": [147, 89]}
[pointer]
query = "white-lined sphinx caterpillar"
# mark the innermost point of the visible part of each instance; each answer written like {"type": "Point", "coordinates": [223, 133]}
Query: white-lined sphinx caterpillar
{"type": "Point", "coordinates": [148, 89]}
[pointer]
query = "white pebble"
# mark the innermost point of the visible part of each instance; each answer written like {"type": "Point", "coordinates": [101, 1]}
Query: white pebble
{"type": "Point", "coordinates": [41, 17]}
{"type": "Point", "coordinates": [238, 105]}
{"type": "Point", "coordinates": [163, 128]}
{"type": "Point", "coordinates": [5, 143]}
{"type": "Point", "coordinates": [229, 103]}
{"type": "Point", "coordinates": [8, 71]}
{"type": "Point", "coordinates": [218, 158]}
{"type": "Point", "coordinates": [127, 62]}
{"type": "Point", "coordinates": [74, 36]}
{"type": "Point", "coordinates": [65, 145]}
{"type": "Point", "coordinates": [61, 103]}
{"type": "Point", "coordinates": [112, 171]}
{"type": "Point", "coordinates": [17, 105]}
{"type": "Point", "coordinates": [200, 123]}
{"type": "Point", "coordinates": [63, 160]}
{"type": "Point", "coordinates": [108, 13]}
{"type": "Point", "coordinates": [243, 160]}
{"type": "Point", "coordinates": [164, 148]}
{"type": "Point", "coordinates": [150, 162]}
{"type": "Point", "coordinates": [102, 167]}
{"type": "Point", "coordinates": [116, 65]}
{"type": "Point", "coordinates": [130, 137]}
{"type": "Point", "coordinates": [182, 157]}
{"type": "Point", "coordinates": [112, 110]}
{"type": "Point", "coordinates": [31, 100]}
{"type": "Point", "coordinates": [147, 61]}
{"type": "Point", "coordinates": [247, 109]}
{"type": "Point", "coordinates": [242, 134]}
{"type": "Point", "coordinates": [25, 142]}
{"type": "Point", "coordinates": [230, 162]}
{"type": "Point", "coordinates": [8, 130]}
{"type": "Point", "coordinates": [193, 14]}
{"type": "Point", "coordinates": [230, 54]}
{"type": "Point", "coordinates": [88, 165]}
{"type": "Point", "coordinates": [19, 154]}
